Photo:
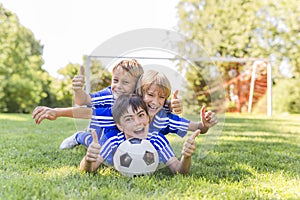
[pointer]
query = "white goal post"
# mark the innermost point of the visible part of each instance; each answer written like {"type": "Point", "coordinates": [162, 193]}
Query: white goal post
{"type": "Point", "coordinates": [255, 62]}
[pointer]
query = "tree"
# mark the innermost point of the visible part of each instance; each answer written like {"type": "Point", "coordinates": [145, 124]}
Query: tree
{"type": "Point", "coordinates": [242, 28]}
{"type": "Point", "coordinates": [23, 82]}
{"type": "Point", "coordinates": [62, 88]}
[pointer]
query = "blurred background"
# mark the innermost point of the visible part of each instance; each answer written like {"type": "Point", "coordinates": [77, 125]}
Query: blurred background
{"type": "Point", "coordinates": [253, 47]}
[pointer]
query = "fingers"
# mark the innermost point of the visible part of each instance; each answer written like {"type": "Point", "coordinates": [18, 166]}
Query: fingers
{"type": "Point", "coordinates": [210, 119]}
{"type": "Point", "coordinates": [189, 147]}
{"type": "Point", "coordinates": [93, 151]}
{"type": "Point", "coordinates": [190, 144]}
{"type": "Point", "coordinates": [78, 82]}
{"type": "Point", "coordinates": [176, 104]}
{"type": "Point", "coordinates": [40, 113]}
{"type": "Point", "coordinates": [81, 71]}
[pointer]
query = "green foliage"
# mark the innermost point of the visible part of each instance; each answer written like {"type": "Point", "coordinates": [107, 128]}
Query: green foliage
{"type": "Point", "coordinates": [63, 86]}
{"type": "Point", "coordinates": [23, 82]}
{"type": "Point", "coordinates": [253, 159]}
{"type": "Point", "coordinates": [100, 77]}
{"type": "Point", "coordinates": [244, 28]}
{"type": "Point", "coordinates": [286, 95]}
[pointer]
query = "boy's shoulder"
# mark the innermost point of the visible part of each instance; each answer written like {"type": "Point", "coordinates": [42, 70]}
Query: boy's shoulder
{"type": "Point", "coordinates": [157, 137]}
{"type": "Point", "coordinates": [104, 92]}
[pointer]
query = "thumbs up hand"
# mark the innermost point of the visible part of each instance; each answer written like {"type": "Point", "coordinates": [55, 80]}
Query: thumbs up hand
{"type": "Point", "coordinates": [189, 145]}
{"type": "Point", "coordinates": [79, 80]}
{"type": "Point", "coordinates": [93, 151]}
{"type": "Point", "coordinates": [208, 118]}
{"type": "Point", "coordinates": [176, 105]}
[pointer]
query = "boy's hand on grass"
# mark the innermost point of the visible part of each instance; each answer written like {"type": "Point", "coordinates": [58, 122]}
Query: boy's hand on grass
{"type": "Point", "coordinates": [42, 112]}
{"type": "Point", "coordinates": [79, 80]}
{"type": "Point", "coordinates": [93, 151]}
{"type": "Point", "coordinates": [189, 145]}
{"type": "Point", "coordinates": [176, 105]}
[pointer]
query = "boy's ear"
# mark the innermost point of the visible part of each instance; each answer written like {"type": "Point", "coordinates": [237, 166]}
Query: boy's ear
{"type": "Point", "coordinates": [119, 127]}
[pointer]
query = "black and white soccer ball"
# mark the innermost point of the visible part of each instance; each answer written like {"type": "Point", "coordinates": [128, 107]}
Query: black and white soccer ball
{"type": "Point", "coordinates": [136, 157]}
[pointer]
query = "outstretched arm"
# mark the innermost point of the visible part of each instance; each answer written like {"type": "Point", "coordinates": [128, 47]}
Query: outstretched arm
{"type": "Point", "coordinates": [42, 112]}
{"type": "Point", "coordinates": [92, 160]}
{"type": "Point", "coordinates": [208, 120]}
{"type": "Point", "coordinates": [183, 166]}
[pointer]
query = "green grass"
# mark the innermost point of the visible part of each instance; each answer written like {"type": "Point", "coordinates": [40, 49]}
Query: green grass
{"type": "Point", "coordinates": [255, 157]}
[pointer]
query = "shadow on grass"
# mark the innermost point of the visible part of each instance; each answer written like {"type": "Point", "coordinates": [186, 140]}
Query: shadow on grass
{"type": "Point", "coordinates": [246, 159]}
{"type": "Point", "coordinates": [248, 147]}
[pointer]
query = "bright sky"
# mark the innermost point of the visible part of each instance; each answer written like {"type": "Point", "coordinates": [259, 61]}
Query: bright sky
{"type": "Point", "coordinates": [69, 29]}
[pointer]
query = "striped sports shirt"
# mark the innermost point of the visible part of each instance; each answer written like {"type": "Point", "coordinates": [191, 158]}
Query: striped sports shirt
{"type": "Point", "coordinates": [164, 121]}
{"type": "Point", "coordinates": [110, 144]}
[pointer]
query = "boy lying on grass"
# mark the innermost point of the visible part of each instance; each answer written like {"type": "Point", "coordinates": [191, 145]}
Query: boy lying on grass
{"type": "Point", "coordinates": [124, 77]}
{"type": "Point", "coordinates": [132, 119]}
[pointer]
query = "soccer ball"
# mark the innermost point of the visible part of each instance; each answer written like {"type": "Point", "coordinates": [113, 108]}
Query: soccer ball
{"type": "Point", "coordinates": [136, 157]}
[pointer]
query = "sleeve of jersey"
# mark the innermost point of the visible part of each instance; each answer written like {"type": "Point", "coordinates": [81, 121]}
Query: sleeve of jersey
{"type": "Point", "coordinates": [178, 124]}
{"type": "Point", "coordinates": [109, 145]}
{"type": "Point", "coordinates": [102, 118]}
{"type": "Point", "coordinates": [163, 147]}
{"type": "Point", "coordinates": [102, 98]}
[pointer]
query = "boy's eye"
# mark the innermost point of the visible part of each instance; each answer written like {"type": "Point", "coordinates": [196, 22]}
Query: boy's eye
{"type": "Point", "coordinates": [150, 94]}
{"type": "Point", "coordinates": [125, 82]}
{"type": "Point", "coordinates": [162, 97]}
{"type": "Point", "coordinates": [115, 80]}
{"type": "Point", "coordinates": [128, 119]}
{"type": "Point", "coordinates": [141, 114]}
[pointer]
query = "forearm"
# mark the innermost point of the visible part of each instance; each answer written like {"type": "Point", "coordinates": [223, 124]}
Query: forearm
{"type": "Point", "coordinates": [184, 165]}
{"type": "Point", "coordinates": [81, 98]}
{"type": "Point", "coordinates": [193, 126]}
{"type": "Point", "coordinates": [181, 167]}
{"type": "Point", "coordinates": [82, 112]}
{"type": "Point", "coordinates": [74, 112]}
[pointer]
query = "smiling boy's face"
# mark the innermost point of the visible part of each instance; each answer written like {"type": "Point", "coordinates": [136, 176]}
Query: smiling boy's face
{"type": "Point", "coordinates": [134, 124]}
{"type": "Point", "coordinates": [122, 83]}
{"type": "Point", "coordinates": [155, 99]}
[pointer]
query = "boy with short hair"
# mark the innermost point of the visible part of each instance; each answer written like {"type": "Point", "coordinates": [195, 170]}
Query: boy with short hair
{"type": "Point", "coordinates": [155, 89]}
{"type": "Point", "coordinates": [124, 77]}
{"type": "Point", "coordinates": [132, 119]}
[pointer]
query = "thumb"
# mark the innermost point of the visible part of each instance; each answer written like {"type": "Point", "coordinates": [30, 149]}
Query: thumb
{"type": "Point", "coordinates": [175, 94]}
{"type": "Point", "coordinates": [81, 71]}
{"type": "Point", "coordinates": [95, 136]}
{"type": "Point", "coordinates": [195, 134]}
{"type": "Point", "coordinates": [203, 109]}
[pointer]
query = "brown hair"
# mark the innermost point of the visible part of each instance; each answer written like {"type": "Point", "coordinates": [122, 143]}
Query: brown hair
{"type": "Point", "coordinates": [134, 68]}
{"type": "Point", "coordinates": [125, 101]}
{"type": "Point", "coordinates": [153, 77]}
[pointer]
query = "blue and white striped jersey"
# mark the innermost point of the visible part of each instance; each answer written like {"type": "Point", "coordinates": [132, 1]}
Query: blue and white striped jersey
{"type": "Point", "coordinates": [109, 145]}
{"type": "Point", "coordinates": [103, 98]}
{"type": "Point", "coordinates": [164, 121]}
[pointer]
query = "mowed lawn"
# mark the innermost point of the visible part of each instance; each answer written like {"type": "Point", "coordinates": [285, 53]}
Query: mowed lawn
{"type": "Point", "coordinates": [252, 157]}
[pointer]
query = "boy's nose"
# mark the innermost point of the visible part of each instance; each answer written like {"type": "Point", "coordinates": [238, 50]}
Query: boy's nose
{"type": "Point", "coordinates": [137, 121]}
{"type": "Point", "coordinates": [119, 86]}
{"type": "Point", "coordinates": [155, 100]}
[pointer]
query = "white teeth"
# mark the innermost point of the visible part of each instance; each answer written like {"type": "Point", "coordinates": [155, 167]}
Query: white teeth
{"type": "Point", "coordinates": [139, 131]}
{"type": "Point", "coordinates": [152, 107]}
